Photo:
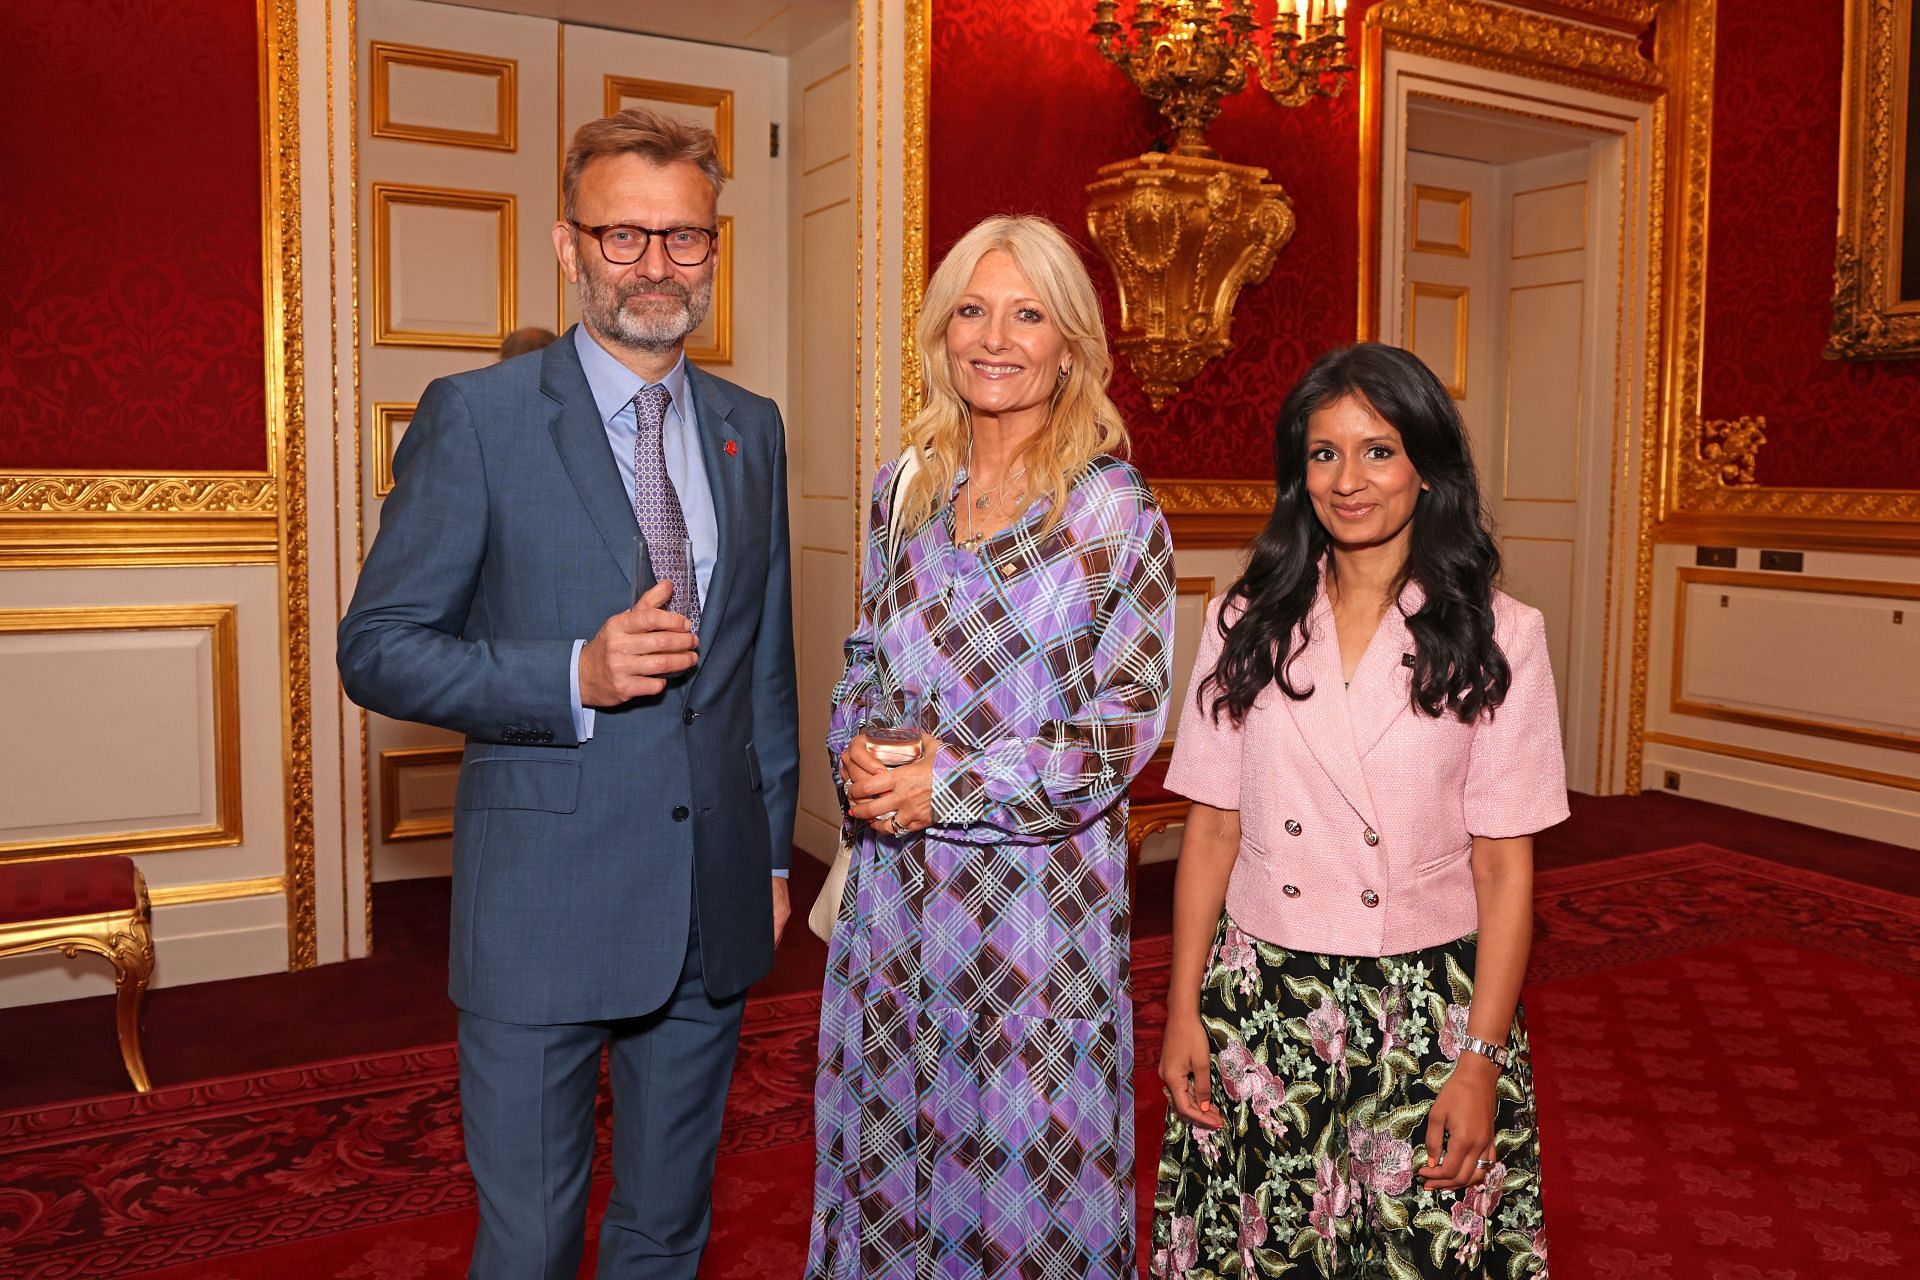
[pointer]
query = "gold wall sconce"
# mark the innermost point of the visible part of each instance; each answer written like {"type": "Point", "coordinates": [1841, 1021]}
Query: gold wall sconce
{"type": "Point", "coordinates": [1185, 231]}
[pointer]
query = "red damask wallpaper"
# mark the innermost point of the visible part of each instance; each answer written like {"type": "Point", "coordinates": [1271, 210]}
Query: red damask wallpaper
{"type": "Point", "coordinates": [1775, 193]}
{"type": "Point", "coordinates": [130, 277]}
{"type": "Point", "coordinates": [1023, 110]}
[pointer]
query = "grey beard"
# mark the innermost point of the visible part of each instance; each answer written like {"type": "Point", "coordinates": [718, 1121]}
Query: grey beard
{"type": "Point", "coordinates": [605, 307]}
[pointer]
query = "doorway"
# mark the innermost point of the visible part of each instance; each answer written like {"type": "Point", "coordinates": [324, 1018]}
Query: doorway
{"type": "Point", "coordinates": [464, 114]}
{"type": "Point", "coordinates": [1513, 252]}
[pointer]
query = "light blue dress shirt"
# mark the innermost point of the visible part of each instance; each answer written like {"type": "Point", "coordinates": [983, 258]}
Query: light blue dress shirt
{"type": "Point", "coordinates": [614, 386]}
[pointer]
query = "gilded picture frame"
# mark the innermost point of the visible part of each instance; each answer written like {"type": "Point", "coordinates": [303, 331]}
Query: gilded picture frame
{"type": "Point", "coordinates": [1876, 298]}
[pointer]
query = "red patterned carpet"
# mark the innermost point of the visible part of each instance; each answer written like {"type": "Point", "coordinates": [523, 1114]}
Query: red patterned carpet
{"type": "Point", "coordinates": [1719, 1041]}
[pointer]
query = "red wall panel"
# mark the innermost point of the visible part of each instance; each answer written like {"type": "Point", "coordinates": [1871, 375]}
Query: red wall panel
{"type": "Point", "coordinates": [130, 282]}
{"type": "Point", "coordinates": [1770, 241]}
{"type": "Point", "coordinates": [1023, 110]}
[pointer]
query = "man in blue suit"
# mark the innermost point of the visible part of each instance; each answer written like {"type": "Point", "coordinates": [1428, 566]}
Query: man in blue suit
{"type": "Point", "coordinates": [583, 568]}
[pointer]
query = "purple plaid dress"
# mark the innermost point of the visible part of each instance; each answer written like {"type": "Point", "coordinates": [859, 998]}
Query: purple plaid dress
{"type": "Point", "coordinates": [973, 1113]}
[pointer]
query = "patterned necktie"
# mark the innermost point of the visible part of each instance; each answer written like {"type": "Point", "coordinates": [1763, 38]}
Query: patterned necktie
{"type": "Point", "coordinates": [657, 507]}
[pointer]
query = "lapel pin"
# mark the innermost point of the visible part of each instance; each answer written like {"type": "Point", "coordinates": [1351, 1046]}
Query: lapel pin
{"type": "Point", "coordinates": [1406, 659]}
{"type": "Point", "coordinates": [733, 448]}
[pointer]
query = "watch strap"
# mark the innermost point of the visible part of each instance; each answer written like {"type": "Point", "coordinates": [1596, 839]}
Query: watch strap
{"type": "Point", "coordinates": [1499, 1053]}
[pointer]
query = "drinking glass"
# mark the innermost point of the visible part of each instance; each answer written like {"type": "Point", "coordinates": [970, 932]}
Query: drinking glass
{"type": "Point", "coordinates": [891, 721]}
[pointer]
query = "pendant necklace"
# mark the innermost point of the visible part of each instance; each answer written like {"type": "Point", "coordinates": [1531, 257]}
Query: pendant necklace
{"type": "Point", "coordinates": [981, 502]}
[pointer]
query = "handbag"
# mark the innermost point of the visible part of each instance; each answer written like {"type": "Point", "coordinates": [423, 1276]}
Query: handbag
{"type": "Point", "coordinates": [826, 907]}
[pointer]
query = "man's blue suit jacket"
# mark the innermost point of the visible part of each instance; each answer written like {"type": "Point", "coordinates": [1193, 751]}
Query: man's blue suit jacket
{"type": "Point", "coordinates": [577, 866]}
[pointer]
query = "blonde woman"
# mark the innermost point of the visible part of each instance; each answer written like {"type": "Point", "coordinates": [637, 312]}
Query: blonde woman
{"type": "Point", "coordinates": [974, 1107]}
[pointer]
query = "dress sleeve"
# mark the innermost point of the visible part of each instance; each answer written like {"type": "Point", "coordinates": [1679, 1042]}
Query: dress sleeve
{"type": "Point", "coordinates": [1206, 753]}
{"type": "Point", "coordinates": [1516, 772]}
{"type": "Point", "coordinates": [1075, 768]}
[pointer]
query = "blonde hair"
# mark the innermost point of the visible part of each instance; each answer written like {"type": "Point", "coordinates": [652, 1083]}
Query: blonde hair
{"type": "Point", "coordinates": [648, 134]}
{"type": "Point", "coordinates": [1082, 424]}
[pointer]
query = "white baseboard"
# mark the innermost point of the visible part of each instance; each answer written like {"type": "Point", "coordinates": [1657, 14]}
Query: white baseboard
{"type": "Point", "coordinates": [194, 942]}
{"type": "Point", "coordinates": [419, 861]}
{"type": "Point", "coordinates": [1834, 804]}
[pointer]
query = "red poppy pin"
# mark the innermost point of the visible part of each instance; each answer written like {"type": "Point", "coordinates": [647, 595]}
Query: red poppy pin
{"type": "Point", "coordinates": [732, 448]}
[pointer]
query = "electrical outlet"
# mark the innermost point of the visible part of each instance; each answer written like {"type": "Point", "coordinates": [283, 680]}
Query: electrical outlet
{"type": "Point", "coordinates": [1672, 781]}
{"type": "Point", "coordinates": [1716, 557]}
{"type": "Point", "coordinates": [1782, 561]}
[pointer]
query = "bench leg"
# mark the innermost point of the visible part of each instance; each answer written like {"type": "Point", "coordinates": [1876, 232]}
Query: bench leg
{"type": "Point", "coordinates": [132, 968]}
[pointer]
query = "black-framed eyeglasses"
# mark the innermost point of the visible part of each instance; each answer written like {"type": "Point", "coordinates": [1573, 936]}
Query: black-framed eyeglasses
{"type": "Point", "coordinates": [624, 245]}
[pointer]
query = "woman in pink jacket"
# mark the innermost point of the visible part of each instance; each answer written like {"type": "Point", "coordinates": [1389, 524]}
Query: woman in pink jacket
{"type": "Point", "coordinates": [1371, 742]}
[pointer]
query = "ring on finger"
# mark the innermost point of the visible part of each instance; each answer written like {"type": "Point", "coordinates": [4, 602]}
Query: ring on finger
{"type": "Point", "coordinates": [1483, 1164]}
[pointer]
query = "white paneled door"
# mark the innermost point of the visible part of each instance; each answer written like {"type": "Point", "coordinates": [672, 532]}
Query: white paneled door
{"type": "Point", "coordinates": [1499, 303]}
{"type": "Point", "coordinates": [458, 151]}
{"type": "Point", "coordinates": [464, 116]}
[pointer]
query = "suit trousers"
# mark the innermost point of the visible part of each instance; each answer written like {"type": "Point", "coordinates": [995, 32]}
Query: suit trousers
{"type": "Point", "coordinates": [528, 1092]}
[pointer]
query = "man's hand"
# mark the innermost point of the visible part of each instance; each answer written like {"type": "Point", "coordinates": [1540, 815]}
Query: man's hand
{"type": "Point", "coordinates": [782, 908]}
{"type": "Point", "coordinates": [635, 651]}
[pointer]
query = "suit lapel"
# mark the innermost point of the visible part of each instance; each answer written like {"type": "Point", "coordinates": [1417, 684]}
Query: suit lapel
{"type": "Point", "coordinates": [1381, 683]}
{"type": "Point", "coordinates": [581, 438]}
{"type": "Point", "coordinates": [1322, 719]}
{"type": "Point", "coordinates": [726, 480]}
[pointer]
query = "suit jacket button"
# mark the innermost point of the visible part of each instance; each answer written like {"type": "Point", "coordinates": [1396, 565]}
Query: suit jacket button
{"type": "Point", "coordinates": [680, 813]}
{"type": "Point", "coordinates": [1293, 828]}
{"type": "Point", "coordinates": [1291, 890]}
{"type": "Point", "coordinates": [1372, 838]}
{"type": "Point", "coordinates": [689, 716]}
{"type": "Point", "coordinates": [1369, 897]}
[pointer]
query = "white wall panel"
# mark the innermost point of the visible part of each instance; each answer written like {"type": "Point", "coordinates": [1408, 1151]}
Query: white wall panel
{"type": "Point", "coordinates": [134, 709]}
{"type": "Point", "coordinates": [1545, 395]}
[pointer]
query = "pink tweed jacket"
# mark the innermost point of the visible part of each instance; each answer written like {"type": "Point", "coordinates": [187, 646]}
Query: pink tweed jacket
{"type": "Point", "coordinates": [1357, 810]}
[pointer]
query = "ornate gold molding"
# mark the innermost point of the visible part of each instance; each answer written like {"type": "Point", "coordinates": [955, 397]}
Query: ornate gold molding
{"type": "Point", "coordinates": [286, 415]}
{"type": "Point", "coordinates": [1870, 320]}
{"type": "Point", "coordinates": [1534, 44]}
{"type": "Point", "coordinates": [504, 72]}
{"type": "Point", "coordinates": [86, 493]}
{"type": "Point", "coordinates": [1695, 497]}
{"type": "Point", "coordinates": [913, 205]}
{"type": "Point", "coordinates": [1215, 513]}
{"type": "Point", "coordinates": [1722, 452]}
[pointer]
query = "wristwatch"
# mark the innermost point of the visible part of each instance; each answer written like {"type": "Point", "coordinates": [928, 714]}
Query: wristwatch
{"type": "Point", "coordinates": [1497, 1052]}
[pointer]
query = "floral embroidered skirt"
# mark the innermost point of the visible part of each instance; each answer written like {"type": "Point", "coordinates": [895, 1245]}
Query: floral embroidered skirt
{"type": "Point", "coordinates": [1324, 1069]}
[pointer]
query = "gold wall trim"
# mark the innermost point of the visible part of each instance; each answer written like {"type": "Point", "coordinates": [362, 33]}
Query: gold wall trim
{"type": "Point", "coordinates": [688, 95]}
{"type": "Point", "coordinates": [221, 623]}
{"type": "Point", "coordinates": [286, 415]}
{"type": "Point", "coordinates": [182, 895]}
{"type": "Point", "coordinates": [381, 423]}
{"type": "Point", "coordinates": [503, 71]}
{"type": "Point", "coordinates": [384, 196]}
{"type": "Point", "coordinates": [1215, 514]}
{"type": "Point", "coordinates": [1825, 767]}
{"type": "Point", "coordinates": [1680, 705]}
{"type": "Point", "coordinates": [720, 350]}
{"type": "Point", "coordinates": [77, 518]}
{"type": "Point", "coordinates": [1695, 503]}
{"type": "Point", "coordinates": [392, 764]}
{"type": "Point", "coordinates": [1870, 320]}
{"type": "Point", "coordinates": [913, 209]}
{"type": "Point", "coordinates": [1539, 46]}
{"type": "Point", "coordinates": [185, 493]}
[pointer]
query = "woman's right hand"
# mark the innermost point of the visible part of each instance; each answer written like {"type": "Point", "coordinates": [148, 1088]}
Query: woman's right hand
{"type": "Point", "coordinates": [858, 762]}
{"type": "Point", "coordinates": [1186, 1069]}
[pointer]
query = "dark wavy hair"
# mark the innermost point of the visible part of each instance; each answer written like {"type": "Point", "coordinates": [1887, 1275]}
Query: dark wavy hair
{"type": "Point", "coordinates": [1457, 666]}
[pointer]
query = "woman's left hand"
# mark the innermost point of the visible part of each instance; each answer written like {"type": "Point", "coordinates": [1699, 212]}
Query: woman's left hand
{"type": "Point", "coordinates": [1462, 1122]}
{"type": "Point", "coordinates": [904, 791]}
